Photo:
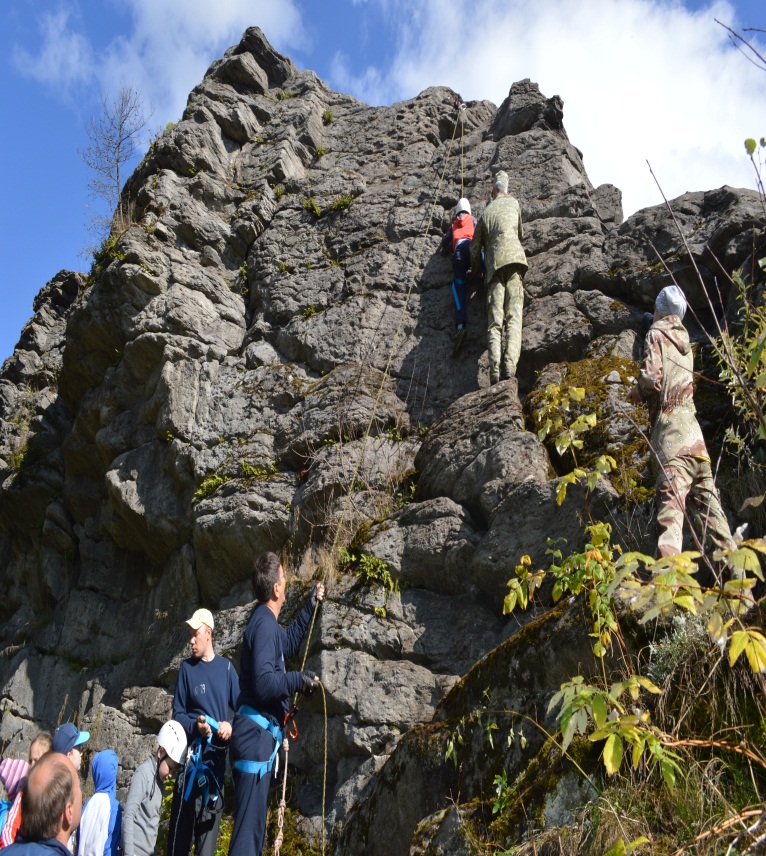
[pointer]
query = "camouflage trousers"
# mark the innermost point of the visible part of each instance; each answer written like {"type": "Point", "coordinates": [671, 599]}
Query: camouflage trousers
{"type": "Point", "coordinates": [689, 480]}
{"type": "Point", "coordinates": [505, 302]}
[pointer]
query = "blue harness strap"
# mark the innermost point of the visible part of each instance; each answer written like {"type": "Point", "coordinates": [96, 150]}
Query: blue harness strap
{"type": "Point", "coordinates": [197, 770]}
{"type": "Point", "coordinates": [259, 768]}
{"type": "Point", "coordinates": [454, 293]}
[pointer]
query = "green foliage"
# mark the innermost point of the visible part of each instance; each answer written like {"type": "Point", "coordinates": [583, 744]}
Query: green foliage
{"type": "Point", "coordinates": [309, 311]}
{"type": "Point", "coordinates": [370, 570]}
{"type": "Point", "coordinates": [342, 202]}
{"type": "Point", "coordinates": [281, 267]}
{"type": "Point", "coordinates": [405, 495]}
{"type": "Point", "coordinates": [755, 153]}
{"type": "Point", "coordinates": [284, 95]}
{"type": "Point", "coordinates": [741, 353]}
{"type": "Point", "coordinates": [554, 420]}
{"type": "Point", "coordinates": [17, 457]}
{"type": "Point", "coordinates": [311, 206]}
{"type": "Point", "coordinates": [210, 485]}
{"type": "Point", "coordinates": [105, 254]}
{"type": "Point", "coordinates": [252, 471]}
{"type": "Point", "coordinates": [327, 117]}
{"type": "Point", "coordinates": [592, 570]}
{"type": "Point", "coordinates": [167, 802]}
{"type": "Point", "coordinates": [224, 835]}
{"type": "Point", "coordinates": [294, 843]}
{"type": "Point", "coordinates": [243, 270]}
{"type": "Point", "coordinates": [502, 792]}
{"type": "Point", "coordinates": [651, 589]}
{"type": "Point", "coordinates": [620, 848]}
{"type": "Point", "coordinates": [321, 151]}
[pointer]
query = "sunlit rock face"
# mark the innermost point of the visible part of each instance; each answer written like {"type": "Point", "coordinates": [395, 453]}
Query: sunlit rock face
{"type": "Point", "coordinates": [263, 361]}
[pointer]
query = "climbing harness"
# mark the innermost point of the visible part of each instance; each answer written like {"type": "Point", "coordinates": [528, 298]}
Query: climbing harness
{"type": "Point", "coordinates": [386, 371]}
{"type": "Point", "coordinates": [259, 768]}
{"type": "Point", "coordinates": [199, 771]}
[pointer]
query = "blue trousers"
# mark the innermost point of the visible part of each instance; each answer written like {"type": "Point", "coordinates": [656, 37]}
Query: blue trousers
{"type": "Point", "coordinates": [249, 742]}
{"type": "Point", "coordinates": [461, 264]}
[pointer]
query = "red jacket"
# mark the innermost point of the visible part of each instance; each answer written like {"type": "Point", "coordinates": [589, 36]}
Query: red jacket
{"type": "Point", "coordinates": [462, 227]}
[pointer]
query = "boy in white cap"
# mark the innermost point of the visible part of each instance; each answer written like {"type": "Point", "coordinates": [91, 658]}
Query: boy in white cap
{"type": "Point", "coordinates": [666, 384]}
{"type": "Point", "coordinates": [207, 686]}
{"type": "Point", "coordinates": [457, 239]}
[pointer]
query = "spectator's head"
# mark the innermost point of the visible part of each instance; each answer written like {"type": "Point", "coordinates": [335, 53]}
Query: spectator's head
{"type": "Point", "coordinates": [171, 749]}
{"type": "Point", "coordinates": [41, 744]}
{"type": "Point", "coordinates": [13, 772]}
{"type": "Point", "coordinates": [51, 802]}
{"type": "Point", "coordinates": [67, 740]}
{"type": "Point", "coordinates": [463, 206]}
{"type": "Point", "coordinates": [670, 301]}
{"type": "Point", "coordinates": [201, 626]}
{"type": "Point", "coordinates": [268, 579]}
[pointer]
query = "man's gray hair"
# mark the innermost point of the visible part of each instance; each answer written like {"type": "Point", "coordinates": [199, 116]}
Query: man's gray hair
{"type": "Point", "coordinates": [500, 182]}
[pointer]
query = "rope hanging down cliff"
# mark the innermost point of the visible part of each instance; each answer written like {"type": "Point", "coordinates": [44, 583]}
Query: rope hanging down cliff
{"type": "Point", "coordinates": [386, 373]}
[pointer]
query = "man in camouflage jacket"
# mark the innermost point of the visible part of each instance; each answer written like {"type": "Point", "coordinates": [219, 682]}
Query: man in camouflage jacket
{"type": "Point", "coordinates": [499, 234]}
{"type": "Point", "coordinates": [666, 385]}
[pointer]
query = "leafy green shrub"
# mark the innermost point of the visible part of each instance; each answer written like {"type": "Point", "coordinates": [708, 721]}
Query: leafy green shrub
{"type": "Point", "coordinates": [342, 202]}
{"type": "Point", "coordinates": [309, 312]}
{"type": "Point", "coordinates": [321, 151]}
{"type": "Point", "coordinates": [370, 570]}
{"type": "Point", "coordinates": [311, 206]}
{"type": "Point", "coordinates": [256, 472]}
{"type": "Point", "coordinates": [209, 485]}
{"type": "Point", "coordinates": [327, 117]}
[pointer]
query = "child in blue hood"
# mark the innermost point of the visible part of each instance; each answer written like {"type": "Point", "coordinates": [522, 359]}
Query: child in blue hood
{"type": "Point", "coordinates": [101, 822]}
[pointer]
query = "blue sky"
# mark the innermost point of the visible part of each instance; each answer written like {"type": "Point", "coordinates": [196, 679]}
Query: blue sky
{"type": "Point", "coordinates": [640, 79]}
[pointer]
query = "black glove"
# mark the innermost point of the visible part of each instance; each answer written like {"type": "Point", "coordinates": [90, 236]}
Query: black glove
{"type": "Point", "coordinates": [310, 684]}
{"type": "Point", "coordinates": [313, 598]}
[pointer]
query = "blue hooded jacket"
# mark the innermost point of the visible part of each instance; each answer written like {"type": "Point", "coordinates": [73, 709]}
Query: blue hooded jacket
{"type": "Point", "coordinates": [104, 768]}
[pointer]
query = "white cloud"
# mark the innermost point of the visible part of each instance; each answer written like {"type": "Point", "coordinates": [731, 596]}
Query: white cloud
{"type": "Point", "coordinates": [369, 86]}
{"type": "Point", "coordinates": [165, 54]}
{"type": "Point", "coordinates": [65, 57]}
{"type": "Point", "coordinates": [172, 44]}
{"type": "Point", "coordinates": [640, 79]}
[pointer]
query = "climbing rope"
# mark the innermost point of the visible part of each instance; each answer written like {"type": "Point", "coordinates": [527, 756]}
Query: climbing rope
{"type": "Point", "coordinates": [461, 113]}
{"type": "Point", "coordinates": [338, 529]}
{"type": "Point", "coordinates": [283, 802]}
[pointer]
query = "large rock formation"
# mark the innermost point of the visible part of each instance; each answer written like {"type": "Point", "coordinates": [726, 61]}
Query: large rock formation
{"type": "Point", "coordinates": [262, 361]}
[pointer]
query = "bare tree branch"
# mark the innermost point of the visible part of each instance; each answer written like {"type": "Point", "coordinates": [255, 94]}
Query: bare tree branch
{"type": "Point", "coordinates": [113, 138]}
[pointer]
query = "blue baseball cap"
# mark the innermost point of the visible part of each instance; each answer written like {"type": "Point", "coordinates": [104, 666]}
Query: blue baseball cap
{"type": "Point", "coordinates": [67, 737]}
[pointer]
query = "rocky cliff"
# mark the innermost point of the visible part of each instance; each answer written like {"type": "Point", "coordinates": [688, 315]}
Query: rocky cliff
{"type": "Point", "coordinates": [262, 361]}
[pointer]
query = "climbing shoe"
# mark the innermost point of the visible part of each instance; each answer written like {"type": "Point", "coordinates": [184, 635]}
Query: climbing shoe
{"type": "Point", "coordinates": [459, 339]}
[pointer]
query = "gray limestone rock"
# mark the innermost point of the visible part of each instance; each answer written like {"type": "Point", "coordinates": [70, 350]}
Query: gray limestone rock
{"type": "Point", "coordinates": [478, 452]}
{"type": "Point", "coordinates": [263, 360]}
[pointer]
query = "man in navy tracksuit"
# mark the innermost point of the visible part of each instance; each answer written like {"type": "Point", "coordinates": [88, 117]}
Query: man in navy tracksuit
{"type": "Point", "coordinates": [264, 700]}
{"type": "Point", "coordinates": [207, 685]}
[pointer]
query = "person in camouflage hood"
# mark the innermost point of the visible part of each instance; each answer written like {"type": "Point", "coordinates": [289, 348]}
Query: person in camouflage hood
{"type": "Point", "coordinates": [499, 234]}
{"type": "Point", "coordinates": [666, 385]}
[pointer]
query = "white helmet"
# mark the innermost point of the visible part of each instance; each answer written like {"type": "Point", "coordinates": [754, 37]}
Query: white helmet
{"type": "Point", "coordinates": [172, 738]}
{"type": "Point", "coordinates": [463, 205]}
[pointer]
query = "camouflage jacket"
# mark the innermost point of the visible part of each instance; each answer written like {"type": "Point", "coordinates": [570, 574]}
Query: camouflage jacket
{"type": "Point", "coordinates": [499, 234]}
{"type": "Point", "coordinates": [666, 383]}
